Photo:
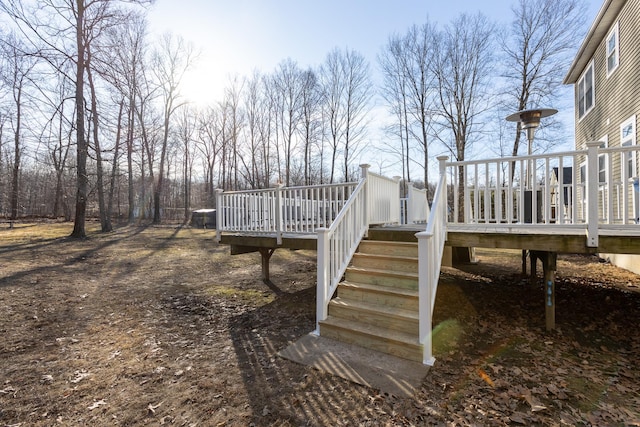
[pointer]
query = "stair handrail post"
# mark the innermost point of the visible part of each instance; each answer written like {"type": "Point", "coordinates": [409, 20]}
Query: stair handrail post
{"type": "Point", "coordinates": [279, 212]}
{"type": "Point", "coordinates": [324, 277]}
{"type": "Point", "coordinates": [364, 174]}
{"type": "Point", "coordinates": [592, 193]}
{"type": "Point", "coordinates": [425, 325]}
{"type": "Point", "coordinates": [219, 216]}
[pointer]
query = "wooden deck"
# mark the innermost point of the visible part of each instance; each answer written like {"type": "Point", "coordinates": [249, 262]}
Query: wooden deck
{"type": "Point", "coordinates": [551, 239]}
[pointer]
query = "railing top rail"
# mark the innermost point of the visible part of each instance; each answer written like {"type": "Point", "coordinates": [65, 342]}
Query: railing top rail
{"type": "Point", "coordinates": [302, 187]}
{"type": "Point", "coordinates": [518, 158]}
{"type": "Point", "coordinates": [619, 149]}
{"type": "Point", "coordinates": [386, 178]}
{"type": "Point", "coordinates": [343, 211]}
{"type": "Point", "coordinates": [437, 198]}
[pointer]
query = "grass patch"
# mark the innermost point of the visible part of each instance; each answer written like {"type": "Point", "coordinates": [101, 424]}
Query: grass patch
{"type": "Point", "coordinates": [253, 296]}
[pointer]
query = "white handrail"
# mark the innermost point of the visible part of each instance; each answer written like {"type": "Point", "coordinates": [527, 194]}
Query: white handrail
{"type": "Point", "coordinates": [336, 246]}
{"type": "Point", "coordinates": [430, 250]}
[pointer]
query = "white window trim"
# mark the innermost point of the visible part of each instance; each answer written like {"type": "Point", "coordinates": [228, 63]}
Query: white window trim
{"type": "Point", "coordinates": [593, 92]}
{"type": "Point", "coordinates": [631, 140]}
{"type": "Point", "coordinates": [616, 33]}
{"type": "Point", "coordinates": [605, 144]}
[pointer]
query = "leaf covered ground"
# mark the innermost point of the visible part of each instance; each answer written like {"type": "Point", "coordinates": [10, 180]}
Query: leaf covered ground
{"type": "Point", "coordinates": [160, 326]}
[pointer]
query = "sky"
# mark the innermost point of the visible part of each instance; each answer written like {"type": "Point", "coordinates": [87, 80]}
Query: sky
{"type": "Point", "coordinates": [237, 37]}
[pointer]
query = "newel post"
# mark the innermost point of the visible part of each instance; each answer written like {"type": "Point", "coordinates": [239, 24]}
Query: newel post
{"type": "Point", "coordinates": [592, 193]}
{"type": "Point", "coordinates": [324, 275]}
{"type": "Point", "coordinates": [219, 216]}
{"type": "Point", "coordinates": [279, 213]}
{"type": "Point", "coordinates": [425, 293]}
{"type": "Point", "coordinates": [364, 174]}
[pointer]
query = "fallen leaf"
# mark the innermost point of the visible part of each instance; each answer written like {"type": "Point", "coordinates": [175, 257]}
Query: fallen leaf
{"type": "Point", "coordinates": [97, 404]}
{"type": "Point", "coordinates": [536, 406]}
{"type": "Point", "coordinates": [485, 377]}
{"type": "Point", "coordinates": [518, 417]}
{"type": "Point", "coordinates": [152, 408]}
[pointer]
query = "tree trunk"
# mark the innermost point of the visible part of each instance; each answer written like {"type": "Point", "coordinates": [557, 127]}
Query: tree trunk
{"type": "Point", "coordinates": [81, 155]}
{"type": "Point", "coordinates": [16, 158]}
{"type": "Point", "coordinates": [105, 220]}
{"type": "Point", "coordinates": [114, 166]}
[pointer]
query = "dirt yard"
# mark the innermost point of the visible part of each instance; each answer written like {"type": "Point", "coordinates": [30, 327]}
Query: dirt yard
{"type": "Point", "coordinates": [160, 326]}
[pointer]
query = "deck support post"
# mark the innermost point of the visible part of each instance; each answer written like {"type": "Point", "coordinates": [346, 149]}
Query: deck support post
{"type": "Point", "coordinates": [265, 255]}
{"type": "Point", "coordinates": [549, 262]}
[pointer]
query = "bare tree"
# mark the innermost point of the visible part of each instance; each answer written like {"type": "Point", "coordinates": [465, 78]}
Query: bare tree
{"type": "Point", "coordinates": [170, 62]}
{"type": "Point", "coordinates": [122, 67]}
{"type": "Point", "coordinates": [60, 31]}
{"type": "Point", "coordinates": [347, 91]}
{"type": "Point", "coordinates": [209, 142]}
{"type": "Point", "coordinates": [310, 127]}
{"type": "Point", "coordinates": [185, 130]}
{"type": "Point", "coordinates": [288, 82]}
{"type": "Point", "coordinates": [538, 48]}
{"type": "Point", "coordinates": [19, 64]}
{"type": "Point", "coordinates": [463, 66]}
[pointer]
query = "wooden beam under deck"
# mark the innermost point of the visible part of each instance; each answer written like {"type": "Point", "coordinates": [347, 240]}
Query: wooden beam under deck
{"type": "Point", "coordinates": [549, 239]}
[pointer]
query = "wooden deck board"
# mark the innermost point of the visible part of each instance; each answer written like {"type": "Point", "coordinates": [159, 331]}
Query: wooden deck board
{"type": "Point", "coordinates": [555, 238]}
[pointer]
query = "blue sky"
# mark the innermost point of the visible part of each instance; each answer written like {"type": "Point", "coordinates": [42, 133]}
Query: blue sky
{"type": "Point", "coordinates": [238, 36]}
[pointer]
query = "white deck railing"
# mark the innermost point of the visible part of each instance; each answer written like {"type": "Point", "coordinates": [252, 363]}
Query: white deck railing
{"type": "Point", "coordinates": [280, 210]}
{"type": "Point", "coordinates": [430, 250]}
{"type": "Point", "coordinates": [533, 190]}
{"type": "Point", "coordinates": [414, 209]}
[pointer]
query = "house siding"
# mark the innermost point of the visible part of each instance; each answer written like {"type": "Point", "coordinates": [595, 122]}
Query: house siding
{"type": "Point", "coordinates": [617, 97]}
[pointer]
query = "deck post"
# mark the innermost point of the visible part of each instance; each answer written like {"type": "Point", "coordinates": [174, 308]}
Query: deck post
{"type": "Point", "coordinates": [265, 255]}
{"type": "Point", "coordinates": [442, 164]}
{"type": "Point", "coordinates": [549, 266]}
{"type": "Point", "coordinates": [323, 277]}
{"type": "Point", "coordinates": [592, 193]}
{"type": "Point", "coordinates": [219, 192]}
{"type": "Point", "coordinates": [279, 212]}
{"type": "Point", "coordinates": [364, 174]}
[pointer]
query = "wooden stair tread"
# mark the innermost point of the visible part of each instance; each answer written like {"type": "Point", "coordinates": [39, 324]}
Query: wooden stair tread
{"type": "Point", "coordinates": [390, 335]}
{"type": "Point", "coordinates": [391, 257]}
{"type": "Point", "coordinates": [391, 242]}
{"type": "Point", "coordinates": [380, 289]}
{"type": "Point", "coordinates": [383, 272]}
{"type": "Point", "coordinates": [386, 310]}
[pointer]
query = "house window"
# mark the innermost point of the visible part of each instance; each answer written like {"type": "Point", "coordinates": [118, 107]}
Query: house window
{"type": "Point", "coordinates": [628, 138]}
{"type": "Point", "coordinates": [602, 162]}
{"type": "Point", "coordinates": [586, 97]}
{"type": "Point", "coordinates": [613, 50]}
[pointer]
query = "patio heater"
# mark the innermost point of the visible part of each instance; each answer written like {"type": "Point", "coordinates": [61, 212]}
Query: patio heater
{"type": "Point", "coordinates": [530, 120]}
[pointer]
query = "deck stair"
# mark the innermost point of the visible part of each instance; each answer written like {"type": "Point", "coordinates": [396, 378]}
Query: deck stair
{"type": "Point", "coordinates": [376, 306]}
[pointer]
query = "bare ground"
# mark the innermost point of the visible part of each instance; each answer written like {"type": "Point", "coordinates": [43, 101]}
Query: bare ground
{"type": "Point", "coordinates": [160, 326]}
